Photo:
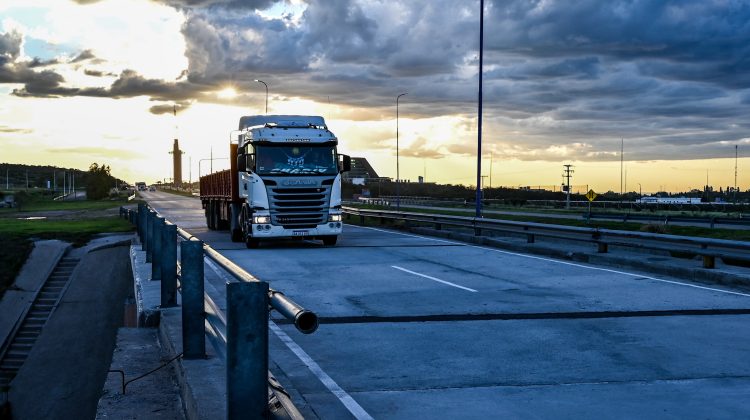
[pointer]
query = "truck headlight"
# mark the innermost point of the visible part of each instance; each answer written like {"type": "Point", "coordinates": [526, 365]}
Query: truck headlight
{"type": "Point", "coordinates": [334, 217]}
{"type": "Point", "coordinates": [261, 219]}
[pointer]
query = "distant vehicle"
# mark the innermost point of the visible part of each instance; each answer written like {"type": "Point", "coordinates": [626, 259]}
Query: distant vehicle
{"type": "Point", "coordinates": [284, 181]}
{"type": "Point", "coordinates": [152, 188]}
{"type": "Point", "coordinates": [141, 186]}
{"type": "Point", "coordinates": [668, 200]}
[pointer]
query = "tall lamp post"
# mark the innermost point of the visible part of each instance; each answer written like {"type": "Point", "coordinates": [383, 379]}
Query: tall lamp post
{"type": "Point", "coordinates": [398, 177]}
{"type": "Point", "coordinates": [264, 84]}
{"type": "Point", "coordinates": [479, 126]}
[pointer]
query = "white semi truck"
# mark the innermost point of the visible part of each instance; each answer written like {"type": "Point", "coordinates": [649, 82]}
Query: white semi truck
{"type": "Point", "coordinates": [284, 181]}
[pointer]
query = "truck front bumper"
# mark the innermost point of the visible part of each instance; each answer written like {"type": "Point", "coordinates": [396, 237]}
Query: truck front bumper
{"type": "Point", "coordinates": [261, 231]}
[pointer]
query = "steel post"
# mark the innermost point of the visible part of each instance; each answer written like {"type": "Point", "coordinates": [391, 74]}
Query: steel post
{"type": "Point", "coordinates": [141, 224]}
{"type": "Point", "coordinates": [149, 234]}
{"type": "Point", "coordinates": [156, 252]}
{"type": "Point", "coordinates": [247, 350]}
{"type": "Point", "coordinates": [169, 266]}
{"type": "Point", "coordinates": [193, 311]}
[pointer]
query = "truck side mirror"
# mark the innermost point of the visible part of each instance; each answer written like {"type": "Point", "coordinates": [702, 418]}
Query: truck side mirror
{"type": "Point", "coordinates": [242, 162]}
{"type": "Point", "coordinates": [346, 163]}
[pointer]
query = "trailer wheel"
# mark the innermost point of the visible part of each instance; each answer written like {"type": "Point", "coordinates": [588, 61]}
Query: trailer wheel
{"type": "Point", "coordinates": [252, 243]}
{"type": "Point", "coordinates": [237, 235]}
{"type": "Point", "coordinates": [210, 215]}
{"type": "Point", "coordinates": [330, 240]}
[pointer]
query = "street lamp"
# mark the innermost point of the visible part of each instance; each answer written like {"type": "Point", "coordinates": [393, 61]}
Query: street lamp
{"type": "Point", "coordinates": [479, 126]}
{"type": "Point", "coordinates": [201, 160]}
{"type": "Point", "coordinates": [398, 177]}
{"type": "Point", "coordinates": [264, 84]}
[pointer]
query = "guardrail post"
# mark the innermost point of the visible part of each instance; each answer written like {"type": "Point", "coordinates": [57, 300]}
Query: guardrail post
{"type": "Point", "coordinates": [361, 219]}
{"type": "Point", "coordinates": [149, 233]}
{"type": "Point", "coordinates": [141, 223]}
{"type": "Point", "coordinates": [601, 247]}
{"type": "Point", "coordinates": [713, 221]}
{"type": "Point", "coordinates": [193, 311]}
{"type": "Point", "coordinates": [156, 253]}
{"type": "Point", "coordinates": [149, 242]}
{"type": "Point", "coordinates": [529, 236]}
{"type": "Point", "coordinates": [169, 266]}
{"type": "Point", "coordinates": [247, 350]}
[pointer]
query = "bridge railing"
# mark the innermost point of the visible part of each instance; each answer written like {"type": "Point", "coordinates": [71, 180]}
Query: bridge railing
{"type": "Point", "coordinates": [241, 335]}
{"type": "Point", "coordinates": [733, 252]}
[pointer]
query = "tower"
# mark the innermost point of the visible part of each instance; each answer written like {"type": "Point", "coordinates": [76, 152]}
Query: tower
{"type": "Point", "coordinates": [177, 163]}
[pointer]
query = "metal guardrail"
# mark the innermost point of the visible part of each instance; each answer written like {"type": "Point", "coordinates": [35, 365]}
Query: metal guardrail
{"type": "Point", "coordinates": [666, 219]}
{"type": "Point", "coordinates": [240, 335]}
{"type": "Point", "coordinates": [709, 249]}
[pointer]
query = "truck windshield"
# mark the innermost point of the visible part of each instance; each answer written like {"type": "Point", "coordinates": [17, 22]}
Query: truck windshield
{"type": "Point", "coordinates": [296, 160]}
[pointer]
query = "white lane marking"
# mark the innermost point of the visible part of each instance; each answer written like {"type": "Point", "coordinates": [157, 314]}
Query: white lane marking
{"type": "Point", "coordinates": [346, 399]}
{"type": "Point", "coordinates": [562, 262]}
{"type": "Point", "coordinates": [351, 405]}
{"type": "Point", "coordinates": [432, 278]}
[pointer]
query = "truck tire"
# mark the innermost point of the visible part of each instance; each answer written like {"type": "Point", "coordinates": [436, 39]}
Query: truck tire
{"type": "Point", "coordinates": [210, 215]}
{"type": "Point", "coordinates": [252, 243]}
{"type": "Point", "coordinates": [237, 235]}
{"type": "Point", "coordinates": [330, 240]}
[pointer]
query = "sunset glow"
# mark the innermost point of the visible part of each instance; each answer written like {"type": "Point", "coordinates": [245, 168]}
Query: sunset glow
{"type": "Point", "coordinates": [84, 81]}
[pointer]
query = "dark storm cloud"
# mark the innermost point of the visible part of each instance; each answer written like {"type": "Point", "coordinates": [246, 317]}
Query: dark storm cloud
{"type": "Point", "coordinates": [169, 108]}
{"type": "Point", "coordinates": [229, 4]}
{"type": "Point", "coordinates": [560, 76]}
{"type": "Point", "coordinates": [97, 73]}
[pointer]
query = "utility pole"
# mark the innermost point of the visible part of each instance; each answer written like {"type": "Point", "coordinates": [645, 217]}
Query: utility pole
{"type": "Point", "coordinates": [491, 170]}
{"type": "Point", "coordinates": [735, 173]}
{"type": "Point", "coordinates": [567, 174]}
{"type": "Point", "coordinates": [622, 153]}
{"type": "Point", "coordinates": [479, 122]}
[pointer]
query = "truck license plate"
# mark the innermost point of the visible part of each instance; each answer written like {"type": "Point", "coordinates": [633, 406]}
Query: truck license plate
{"type": "Point", "coordinates": [299, 233]}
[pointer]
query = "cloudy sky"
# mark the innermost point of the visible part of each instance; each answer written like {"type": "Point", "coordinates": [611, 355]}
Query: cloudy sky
{"type": "Point", "coordinates": [96, 80]}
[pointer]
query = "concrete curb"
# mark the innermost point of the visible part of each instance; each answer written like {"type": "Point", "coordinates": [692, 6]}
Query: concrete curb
{"type": "Point", "coordinates": [699, 275]}
{"type": "Point", "coordinates": [147, 293]}
{"type": "Point", "coordinates": [201, 381]}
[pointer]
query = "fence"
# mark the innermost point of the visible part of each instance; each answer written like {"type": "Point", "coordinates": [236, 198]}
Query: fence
{"type": "Point", "coordinates": [240, 335]}
{"type": "Point", "coordinates": [731, 252]}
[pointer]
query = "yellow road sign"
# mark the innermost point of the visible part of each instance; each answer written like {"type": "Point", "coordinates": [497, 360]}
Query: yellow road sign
{"type": "Point", "coordinates": [591, 195]}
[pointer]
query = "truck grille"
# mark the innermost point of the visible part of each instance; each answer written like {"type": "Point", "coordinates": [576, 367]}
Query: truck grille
{"type": "Point", "coordinates": [295, 208]}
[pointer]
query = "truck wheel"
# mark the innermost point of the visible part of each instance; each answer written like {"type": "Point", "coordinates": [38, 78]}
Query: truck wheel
{"type": "Point", "coordinates": [237, 235]}
{"type": "Point", "coordinates": [252, 243]}
{"type": "Point", "coordinates": [330, 240]}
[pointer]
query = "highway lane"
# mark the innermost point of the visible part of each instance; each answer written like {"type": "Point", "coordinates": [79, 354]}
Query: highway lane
{"type": "Point", "coordinates": [418, 327]}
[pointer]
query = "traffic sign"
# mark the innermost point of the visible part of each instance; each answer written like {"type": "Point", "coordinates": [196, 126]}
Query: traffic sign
{"type": "Point", "coordinates": [591, 195]}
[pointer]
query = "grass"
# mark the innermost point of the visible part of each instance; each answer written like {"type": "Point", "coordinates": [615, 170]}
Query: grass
{"type": "Point", "coordinates": [36, 202]}
{"type": "Point", "coordinates": [16, 238]}
{"type": "Point", "coordinates": [731, 234]}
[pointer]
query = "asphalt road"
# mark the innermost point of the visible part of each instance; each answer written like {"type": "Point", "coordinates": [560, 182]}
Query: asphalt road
{"type": "Point", "coordinates": [418, 327]}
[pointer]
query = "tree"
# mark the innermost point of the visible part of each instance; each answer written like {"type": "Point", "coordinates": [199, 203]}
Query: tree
{"type": "Point", "coordinates": [98, 181]}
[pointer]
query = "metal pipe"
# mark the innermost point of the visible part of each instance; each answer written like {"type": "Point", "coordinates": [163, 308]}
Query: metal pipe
{"type": "Point", "coordinates": [306, 321]}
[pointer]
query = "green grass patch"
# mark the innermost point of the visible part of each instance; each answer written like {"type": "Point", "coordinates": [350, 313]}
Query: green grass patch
{"type": "Point", "coordinates": [16, 238]}
{"type": "Point", "coordinates": [15, 251]}
{"type": "Point", "coordinates": [730, 234]}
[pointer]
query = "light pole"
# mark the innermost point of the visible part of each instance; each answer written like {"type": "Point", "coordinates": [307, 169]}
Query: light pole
{"type": "Point", "coordinates": [211, 159]}
{"type": "Point", "coordinates": [479, 126]}
{"type": "Point", "coordinates": [398, 177]}
{"type": "Point", "coordinates": [640, 191]}
{"type": "Point", "coordinates": [264, 84]}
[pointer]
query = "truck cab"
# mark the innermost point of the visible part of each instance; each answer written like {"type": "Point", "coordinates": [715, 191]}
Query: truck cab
{"type": "Point", "coordinates": [285, 180]}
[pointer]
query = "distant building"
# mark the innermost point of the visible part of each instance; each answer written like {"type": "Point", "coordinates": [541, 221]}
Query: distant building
{"type": "Point", "coordinates": [668, 200]}
{"type": "Point", "coordinates": [362, 172]}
